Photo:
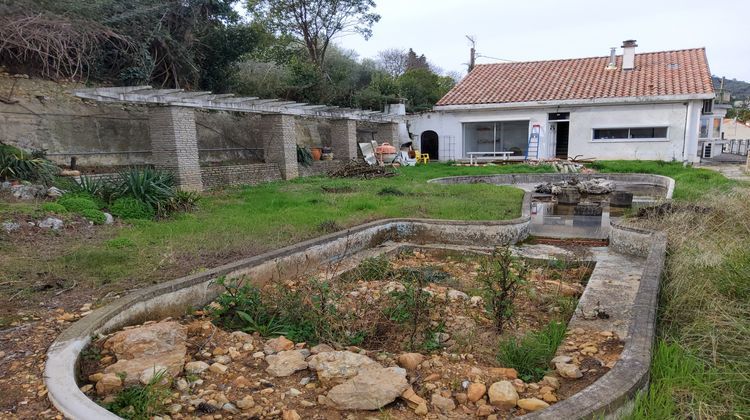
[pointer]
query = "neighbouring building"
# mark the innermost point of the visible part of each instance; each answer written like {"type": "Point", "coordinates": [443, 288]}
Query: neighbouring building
{"type": "Point", "coordinates": [656, 105]}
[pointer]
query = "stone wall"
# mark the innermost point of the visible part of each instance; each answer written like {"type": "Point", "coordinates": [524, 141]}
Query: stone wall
{"type": "Point", "coordinates": [250, 174]}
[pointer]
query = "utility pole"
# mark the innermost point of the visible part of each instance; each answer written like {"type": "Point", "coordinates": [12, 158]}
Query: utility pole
{"type": "Point", "coordinates": [472, 53]}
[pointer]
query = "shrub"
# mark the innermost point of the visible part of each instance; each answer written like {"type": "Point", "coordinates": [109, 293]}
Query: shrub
{"type": "Point", "coordinates": [531, 354]}
{"type": "Point", "coordinates": [77, 203]}
{"type": "Point", "coordinates": [150, 186]}
{"type": "Point", "coordinates": [102, 189]}
{"type": "Point", "coordinates": [95, 216]}
{"type": "Point", "coordinates": [183, 201]}
{"type": "Point", "coordinates": [412, 305]}
{"type": "Point", "coordinates": [131, 208]}
{"type": "Point", "coordinates": [17, 164]}
{"type": "Point", "coordinates": [374, 268]}
{"type": "Point", "coordinates": [54, 208]}
{"type": "Point", "coordinates": [500, 277]}
{"type": "Point", "coordinates": [304, 157]}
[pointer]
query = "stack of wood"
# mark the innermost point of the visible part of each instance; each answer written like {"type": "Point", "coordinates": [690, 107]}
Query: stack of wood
{"type": "Point", "coordinates": [360, 169]}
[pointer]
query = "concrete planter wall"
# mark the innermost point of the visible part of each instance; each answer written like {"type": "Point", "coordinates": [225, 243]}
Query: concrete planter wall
{"type": "Point", "coordinates": [175, 297]}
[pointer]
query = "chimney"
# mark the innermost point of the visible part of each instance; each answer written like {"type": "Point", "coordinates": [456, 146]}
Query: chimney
{"type": "Point", "coordinates": [612, 59]}
{"type": "Point", "coordinates": [628, 54]}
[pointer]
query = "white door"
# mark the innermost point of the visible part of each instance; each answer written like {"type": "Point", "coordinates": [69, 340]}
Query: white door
{"type": "Point", "coordinates": [551, 142]}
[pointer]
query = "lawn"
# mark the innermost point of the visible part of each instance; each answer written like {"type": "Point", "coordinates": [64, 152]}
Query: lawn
{"type": "Point", "coordinates": [244, 221]}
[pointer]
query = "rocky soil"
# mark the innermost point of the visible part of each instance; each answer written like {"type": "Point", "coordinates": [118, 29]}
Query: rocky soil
{"type": "Point", "coordinates": [232, 374]}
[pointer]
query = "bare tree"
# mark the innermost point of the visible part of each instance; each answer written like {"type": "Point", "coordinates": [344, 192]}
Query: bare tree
{"type": "Point", "coordinates": [316, 22]}
{"type": "Point", "coordinates": [392, 61]}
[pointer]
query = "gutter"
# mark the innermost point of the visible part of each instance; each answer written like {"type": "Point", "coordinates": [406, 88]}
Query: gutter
{"type": "Point", "coordinates": [576, 102]}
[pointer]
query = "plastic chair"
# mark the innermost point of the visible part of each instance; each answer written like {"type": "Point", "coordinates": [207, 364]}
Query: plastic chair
{"type": "Point", "coordinates": [424, 158]}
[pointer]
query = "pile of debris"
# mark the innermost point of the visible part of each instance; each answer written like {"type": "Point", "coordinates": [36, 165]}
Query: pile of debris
{"type": "Point", "coordinates": [592, 186]}
{"type": "Point", "coordinates": [361, 169]}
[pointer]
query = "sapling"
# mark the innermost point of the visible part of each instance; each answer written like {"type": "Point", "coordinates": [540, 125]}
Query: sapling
{"type": "Point", "coordinates": [501, 276]}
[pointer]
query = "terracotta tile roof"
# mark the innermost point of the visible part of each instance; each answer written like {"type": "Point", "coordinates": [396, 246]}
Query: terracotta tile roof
{"type": "Point", "coordinates": [657, 73]}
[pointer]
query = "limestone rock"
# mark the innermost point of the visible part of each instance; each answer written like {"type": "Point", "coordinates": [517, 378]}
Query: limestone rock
{"type": "Point", "coordinates": [218, 368]}
{"type": "Point", "coordinates": [503, 394]}
{"type": "Point", "coordinates": [442, 404]}
{"type": "Point", "coordinates": [561, 359]}
{"type": "Point", "coordinates": [290, 415]}
{"type": "Point", "coordinates": [140, 348]}
{"type": "Point", "coordinates": [484, 410]}
{"type": "Point", "coordinates": [51, 223]}
{"type": "Point", "coordinates": [286, 362]}
{"type": "Point", "coordinates": [278, 344]}
{"type": "Point", "coordinates": [532, 404]}
{"type": "Point", "coordinates": [246, 403]}
{"type": "Point", "coordinates": [148, 374]}
{"type": "Point", "coordinates": [196, 367]}
{"type": "Point", "coordinates": [476, 391]}
{"type": "Point", "coordinates": [108, 384]}
{"type": "Point", "coordinates": [454, 294]}
{"type": "Point", "coordinates": [372, 388]}
{"type": "Point", "coordinates": [321, 348]}
{"type": "Point", "coordinates": [567, 370]}
{"type": "Point", "coordinates": [503, 373]}
{"type": "Point", "coordinates": [337, 366]}
{"type": "Point", "coordinates": [551, 381]}
{"type": "Point", "coordinates": [412, 399]}
{"type": "Point", "coordinates": [410, 361]}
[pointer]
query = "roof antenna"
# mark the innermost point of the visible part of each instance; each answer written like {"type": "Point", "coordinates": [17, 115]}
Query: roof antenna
{"type": "Point", "coordinates": [612, 59]}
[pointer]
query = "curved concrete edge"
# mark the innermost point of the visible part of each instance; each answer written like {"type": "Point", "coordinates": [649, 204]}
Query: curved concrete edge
{"type": "Point", "coordinates": [612, 395]}
{"type": "Point", "coordinates": [532, 178]}
{"type": "Point", "coordinates": [175, 297]}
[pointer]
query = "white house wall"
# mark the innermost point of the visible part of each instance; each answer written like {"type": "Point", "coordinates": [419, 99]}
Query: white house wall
{"type": "Point", "coordinates": [583, 120]}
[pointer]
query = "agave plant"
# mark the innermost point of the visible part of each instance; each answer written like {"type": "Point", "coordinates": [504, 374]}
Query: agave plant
{"type": "Point", "coordinates": [151, 186]}
{"type": "Point", "coordinates": [15, 164]}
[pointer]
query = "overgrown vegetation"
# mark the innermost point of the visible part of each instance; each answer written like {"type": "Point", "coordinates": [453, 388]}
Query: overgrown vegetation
{"type": "Point", "coordinates": [413, 306]}
{"type": "Point", "coordinates": [530, 355]}
{"type": "Point", "coordinates": [501, 276]}
{"type": "Point", "coordinates": [16, 164]}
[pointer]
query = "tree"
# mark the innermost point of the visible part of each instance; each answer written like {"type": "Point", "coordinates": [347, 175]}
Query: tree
{"type": "Point", "coordinates": [422, 88]}
{"type": "Point", "coordinates": [316, 22]}
{"type": "Point", "coordinates": [414, 62]}
{"type": "Point", "coordinates": [392, 61]}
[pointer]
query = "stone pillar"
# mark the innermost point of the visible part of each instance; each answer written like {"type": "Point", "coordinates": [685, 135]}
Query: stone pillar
{"type": "Point", "coordinates": [174, 145]}
{"type": "Point", "coordinates": [344, 139]}
{"type": "Point", "coordinates": [388, 132]}
{"type": "Point", "coordinates": [280, 143]}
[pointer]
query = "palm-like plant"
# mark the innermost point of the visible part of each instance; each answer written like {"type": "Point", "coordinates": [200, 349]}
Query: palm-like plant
{"type": "Point", "coordinates": [151, 186]}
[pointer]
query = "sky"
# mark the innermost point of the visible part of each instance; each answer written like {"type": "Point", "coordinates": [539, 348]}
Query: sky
{"type": "Point", "coordinates": [547, 29]}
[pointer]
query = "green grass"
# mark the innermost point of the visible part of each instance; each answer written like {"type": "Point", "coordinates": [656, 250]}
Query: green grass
{"type": "Point", "coordinates": [249, 220]}
{"type": "Point", "coordinates": [530, 355]}
{"type": "Point", "coordinates": [690, 183]}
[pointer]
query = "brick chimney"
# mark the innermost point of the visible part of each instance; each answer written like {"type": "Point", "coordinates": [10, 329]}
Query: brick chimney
{"type": "Point", "coordinates": [628, 54]}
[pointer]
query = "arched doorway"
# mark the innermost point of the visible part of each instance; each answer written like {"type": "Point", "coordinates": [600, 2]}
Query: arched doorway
{"type": "Point", "coordinates": [429, 144]}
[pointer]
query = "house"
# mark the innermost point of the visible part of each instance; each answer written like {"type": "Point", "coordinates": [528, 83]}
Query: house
{"type": "Point", "coordinates": [735, 130]}
{"type": "Point", "coordinates": [655, 105]}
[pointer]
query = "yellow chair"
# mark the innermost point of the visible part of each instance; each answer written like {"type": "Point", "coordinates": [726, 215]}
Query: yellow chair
{"type": "Point", "coordinates": [424, 158]}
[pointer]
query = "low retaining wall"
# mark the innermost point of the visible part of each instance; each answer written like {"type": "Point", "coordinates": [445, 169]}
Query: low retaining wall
{"type": "Point", "coordinates": [175, 297]}
{"type": "Point", "coordinates": [248, 174]}
{"type": "Point", "coordinates": [612, 395]}
{"type": "Point", "coordinates": [511, 179]}
{"type": "Point", "coordinates": [319, 167]}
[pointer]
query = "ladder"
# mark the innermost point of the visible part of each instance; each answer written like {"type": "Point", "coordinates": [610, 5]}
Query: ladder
{"type": "Point", "coordinates": [532, 152]}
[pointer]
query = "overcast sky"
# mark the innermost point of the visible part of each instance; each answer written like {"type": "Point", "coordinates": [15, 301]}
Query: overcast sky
{"type": "Point", "coordinates": [549, 29]}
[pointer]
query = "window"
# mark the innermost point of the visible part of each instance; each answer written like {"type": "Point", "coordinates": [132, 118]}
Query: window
{"type": "Point", "coordinates": [558, 116]}
{"type": "Point", "coordinates": [500, 136]}
{"type": "Point", "coordinates": [708, 106]}
{"type": "Point", "coordinates": [630, 133]}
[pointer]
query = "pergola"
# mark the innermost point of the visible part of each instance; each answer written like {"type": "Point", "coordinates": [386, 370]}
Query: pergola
{"type": "Point", "coordinates": [173, 136]}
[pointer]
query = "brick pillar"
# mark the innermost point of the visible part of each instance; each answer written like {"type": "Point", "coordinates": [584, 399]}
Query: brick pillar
{"type": "Point", "coordinates": [344, 139]}
{"type": "Point", "coordinates": [174, 145]}
{"type": "Point", "coordinates": [388, 132]}
{"type": "Point", "coordinates": [280, 143]}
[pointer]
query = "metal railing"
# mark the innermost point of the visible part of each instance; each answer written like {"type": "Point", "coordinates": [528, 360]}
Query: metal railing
{"type": "Point", "coordinates": [736, 147]}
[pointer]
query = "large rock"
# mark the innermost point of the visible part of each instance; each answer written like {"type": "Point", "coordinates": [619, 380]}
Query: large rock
{"type": "Point", "coordinates": [568, 370]}
{"type": "Point", "coordinates": [596, 186]}
{"type": "Point", "coordinates": [503, 394]}
{"type": "Point", "coordinates": [337, 366]}
{"type": "Point", "coordinates": [51, 223]}
{"type": "Point", "coordinates": [28, 192]}
{"type": "Point", "coordinates": [475, 391]}
{"type": "Point", "coordinates": [137, 349]}
{"type": "Point", "coordinates": [372, 388]}
{"type": "Point", "coordinates": [108, 384]}
{"type": "Point", "coordinates": [442, 403]}
{"type": "Point", "coordinates": [287, 362]}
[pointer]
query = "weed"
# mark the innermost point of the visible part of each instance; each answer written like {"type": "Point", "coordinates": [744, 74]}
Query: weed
{"type": "Point", "coordinates": [412, 305]}
{"type": "Point", "coordinates": [131, 208]}
{"type": "Point", "coordinates": [183, 201]}
{"type": "Point", "coordinates": [95, 216]}
{"type": "Point", "coordinates": [530, 355]}
{"type": "Point", "coordinates": [501, 276]}
{"type": "Point", "coordinates": [54, 208]}
{"type": "Point", "coordinates": [390, 191]}
{"type": "Point", "coordinates": [120, 243]}
{"type": "Point", "coordinates": [329, 226]}
{"type": "Point", "coordinates": [76, 203]}
{"type": "Point", "coordinates": [141, 401]}
{"type": "Point", "coordinates": [373, 268]}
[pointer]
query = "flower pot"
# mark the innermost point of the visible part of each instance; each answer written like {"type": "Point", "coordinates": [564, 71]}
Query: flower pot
{"type": "Point", "coordinates": [316, 152]}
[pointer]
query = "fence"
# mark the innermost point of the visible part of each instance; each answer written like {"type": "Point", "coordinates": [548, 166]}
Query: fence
{"type": "Point", "coordinates": [736, 147]}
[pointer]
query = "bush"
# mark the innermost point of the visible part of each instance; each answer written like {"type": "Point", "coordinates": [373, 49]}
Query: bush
{"type": "Point", "coordinates": [131, 208]}
{"type": "Point", "coordinates": [77, 203]}
{"type": "Point", "coordinates": [183, 201]}
{"type": "Point", "coordinates": [150, 186]}
{"type": "Point", "coordinates": [54, 208]}
{"type": "Point", "coordinates": [95, 216]}
{"type": "Point", "coordinates": [531, 354]}
{"type": "Point", "coordinates": [501, 276]}
{"type": "Point", "coordinates": [17, 164]}
{"type": "Point", "coordinates": [102, 189]}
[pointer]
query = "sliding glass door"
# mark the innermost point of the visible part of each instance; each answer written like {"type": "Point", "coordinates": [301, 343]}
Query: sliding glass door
{"type": "Point", "coordinates": [497, 136]}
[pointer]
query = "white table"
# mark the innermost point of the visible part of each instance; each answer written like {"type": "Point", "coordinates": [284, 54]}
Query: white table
{"type": "Point", "coordinates": [472, 155]}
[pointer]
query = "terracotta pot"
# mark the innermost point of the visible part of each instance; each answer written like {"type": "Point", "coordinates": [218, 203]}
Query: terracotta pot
{"type": "Point", "coordinates": [316, 152]}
